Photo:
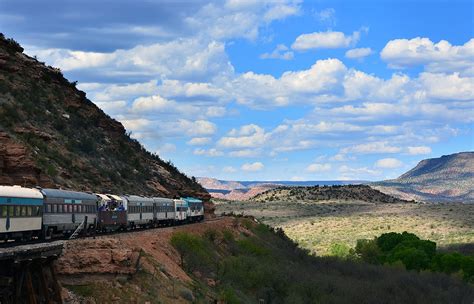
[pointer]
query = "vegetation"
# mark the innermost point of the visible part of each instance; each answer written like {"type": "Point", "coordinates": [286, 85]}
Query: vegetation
{"type": "Point", "coordinates": [414, 253]}
{"type": "Point", "coordinates": [319, 225]}
{"type": "Point", "coordinates": [263, 264]}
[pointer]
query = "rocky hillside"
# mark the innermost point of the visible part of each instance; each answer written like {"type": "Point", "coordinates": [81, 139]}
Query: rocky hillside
{"type": "Point", "coordinates": [449, 178]}
{"type": "Point", "coordinates": [234, 260]}
{"type": "Point", "coordinates": [51, 135]}
{"type": "Point", "coordinates": [327, 193]}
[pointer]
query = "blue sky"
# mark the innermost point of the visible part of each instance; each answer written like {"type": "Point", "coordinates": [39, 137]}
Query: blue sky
{"type": "Point", "coordinates": [278, 90]}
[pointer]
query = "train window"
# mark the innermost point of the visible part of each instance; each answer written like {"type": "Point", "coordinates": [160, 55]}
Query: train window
{"type": "Point", "coordinates": [23, 211]}
{"type": "Point", "coordinates": [3, 211]}
{"type": "Point", "coordinates": [11, 211]}
{"type": "Point", "coordinates": [55, 208]}
{"type": "Point", "coordinates": [69, 208]}
{"type": "Point", "coordinates": [74, 208]}
{"type": "Point", "coordinates": [29, 211]}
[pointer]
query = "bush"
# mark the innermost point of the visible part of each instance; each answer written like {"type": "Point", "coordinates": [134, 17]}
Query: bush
{"type": "Point", "coordinates": [194, 252]}
{"type": "Point", "coordinates": [368, 251]}
{"type": "Point", "coordinates": [342, 251]}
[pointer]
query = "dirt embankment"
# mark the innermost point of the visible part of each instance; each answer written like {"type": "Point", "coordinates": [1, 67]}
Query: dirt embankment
{"type": "Point", "coordinates": [119, 259]}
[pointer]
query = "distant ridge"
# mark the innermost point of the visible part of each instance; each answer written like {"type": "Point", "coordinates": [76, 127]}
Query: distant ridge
{"type": "Point", "coordinates": [449, 178]}
{"type": "Point", "coordinates": [243, 190]}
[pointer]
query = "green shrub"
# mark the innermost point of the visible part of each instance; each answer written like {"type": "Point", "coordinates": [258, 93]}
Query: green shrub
{"type": "Point", "coordinates": [341, 251]}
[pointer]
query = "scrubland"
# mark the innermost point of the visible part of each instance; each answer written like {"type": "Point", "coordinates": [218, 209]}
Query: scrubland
{"type": "Point", "coordinates": [319, 226]}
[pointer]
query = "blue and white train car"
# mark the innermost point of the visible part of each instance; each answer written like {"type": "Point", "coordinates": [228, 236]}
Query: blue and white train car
{"type": "Point", "coordinates": [180, 210]}
{"type": "Point", "coordinates": [21, 211]}
{"type": "Point", "coordinates": [65, 210]}
{"type": "Point", "coordinates": [164, 210]}
{"type": "Point", "coordinates": [195, 210]}
{"type": "Point", "coordinates": [139, 211]}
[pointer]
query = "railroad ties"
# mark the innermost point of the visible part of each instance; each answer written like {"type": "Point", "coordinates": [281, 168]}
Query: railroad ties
{"type": "Point", "coordinates": [27, 274]}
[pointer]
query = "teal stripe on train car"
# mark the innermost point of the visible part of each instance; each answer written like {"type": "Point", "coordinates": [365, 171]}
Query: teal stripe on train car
{"type": "Point", "coordinates": [20, 201]}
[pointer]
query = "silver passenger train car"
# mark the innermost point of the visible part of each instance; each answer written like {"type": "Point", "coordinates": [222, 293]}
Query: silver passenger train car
{"type": "Point", "coordinates": [21, 212]}
{"type": "Point", "coordinates": [65, 210]}
{"type": "Point", "coordinates": [26, 213]}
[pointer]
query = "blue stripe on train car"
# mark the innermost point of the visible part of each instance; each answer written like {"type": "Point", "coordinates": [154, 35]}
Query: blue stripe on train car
{"type": "Point", "coordinates": [21, 201]}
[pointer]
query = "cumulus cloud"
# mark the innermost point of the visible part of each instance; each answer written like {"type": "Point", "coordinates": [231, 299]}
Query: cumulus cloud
{"type": "Point", "coordinates": [326, 16]}
{"type": "Point", "coordinates": [372, 148]}
{"type": "Point", "coordinates": [208, 152]}
{"type": "Point", "coordinates": [348, 173]}
{"type": "Point", "coordinates": [358, 53]}
{"type": "Point", "coordinates": [280, 52]}
{"type": "Point", "coordinates": [248, 136]}
{"type": "Point", "coordinates": [252, 167]}
{"type": "Point", "coordinates": [199, 141]}
{"type": "Point", "coordinates": [245, 153]}
{"type": "Point", "coordinates": [388, 163]}
{"type": "Point", "coordinates": [316, 167]}
{"type": "Point", "coordinates": [326, 40]}
{"type": "Point", "coordinates": [436, 57]}
{"type": "Point", "coordinates": [419, 150]}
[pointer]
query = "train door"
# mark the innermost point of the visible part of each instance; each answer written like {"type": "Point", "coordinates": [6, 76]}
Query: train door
{"type": "Point", "coordinates": [141, 207]}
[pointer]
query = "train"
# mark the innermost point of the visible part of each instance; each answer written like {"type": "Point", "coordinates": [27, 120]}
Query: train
{"type": "Point", "coordinates": [37, 213]}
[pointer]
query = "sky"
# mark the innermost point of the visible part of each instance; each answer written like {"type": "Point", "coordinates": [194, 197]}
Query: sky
{"type": "Point", "coordinates": [268, 90]}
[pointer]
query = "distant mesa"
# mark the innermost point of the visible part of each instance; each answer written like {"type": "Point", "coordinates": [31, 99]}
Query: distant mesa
{"type": "Point", "coordinates": [449, 178]}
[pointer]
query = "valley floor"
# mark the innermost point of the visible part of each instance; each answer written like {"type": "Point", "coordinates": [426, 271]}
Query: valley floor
{"type": "Point", "coordinates": [318, 226]}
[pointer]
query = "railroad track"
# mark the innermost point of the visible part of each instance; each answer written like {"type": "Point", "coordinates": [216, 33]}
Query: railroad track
{"type": "Point", "coordinates": [12, 244]}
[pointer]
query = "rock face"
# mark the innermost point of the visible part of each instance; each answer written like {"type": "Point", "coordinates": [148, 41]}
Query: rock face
{"type": "Point", "coordinates": [17, 166]}
{"type": "Point", "coordinates": [51, 135]}
{"type": "Point", "coordinates": [449, 178]}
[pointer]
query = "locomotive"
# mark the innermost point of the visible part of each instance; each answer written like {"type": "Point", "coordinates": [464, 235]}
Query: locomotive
{"type": "Point", "coordinates": [27, 213]}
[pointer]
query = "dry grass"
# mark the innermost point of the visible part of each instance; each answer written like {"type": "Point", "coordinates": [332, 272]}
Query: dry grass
{"type": "Point", "coordinates": [318, 225]}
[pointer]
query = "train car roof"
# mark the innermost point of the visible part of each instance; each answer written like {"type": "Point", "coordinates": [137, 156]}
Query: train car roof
{"type": "Point", "coordinates": [57, 193]}
{"type": "Point", "coordinates": [20, 192]}
{"type": "Point", "coordinates": [192, 200]}
{"type": "Point", "coordinates": [138, 199]}
{"type": "Point", "coordinates": [103, 197]}
{"type": "Point", "coordinates": [162, 199]}
{"type": "Point", "coordinates": [115, 197]}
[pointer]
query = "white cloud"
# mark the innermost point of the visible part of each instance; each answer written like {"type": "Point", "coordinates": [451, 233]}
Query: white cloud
{"type": "Point", "coordinates": [326, 16]}
{"type": "Point", "coordinates": [198, 127]}
{"type": "Point", "coordinates": [318, 168]}
{"type": "Point", "coordinates": [452, 86]}
{"type": "Point", "coordinates": [166, 148]}
{"type": "Point", "coordinates": [199, 141]}
{"type": "Point", "coordinates": [419, 150]}
{"type": "Point", "coordinates": [248, 136]}
{"type": "Point", "coordinates": [210, 152]}
{"type": "Point", "coordinates": [436, 57]}
{"type": "Point", "coordinates": [280, 52]}
{"type": "Point", "coordinates": [358, 53]}
{"type": "Point", "coordinates": [326, 40]}
{"type": "Point", "coordinates": [388, 163]}
{"type": "Point", "coordinates": [372, 148]}
{"type": "Point", "coordinates": [356, 173]}
{"type": "Point", "coordinates": [256, 166]}
{"type": "Point", "coordinates": [245, 153]}
{"type": "Point", "coordinates": [135, 124]}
